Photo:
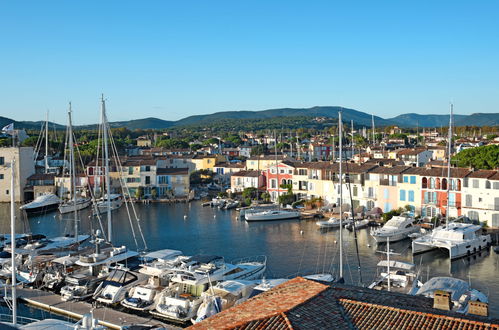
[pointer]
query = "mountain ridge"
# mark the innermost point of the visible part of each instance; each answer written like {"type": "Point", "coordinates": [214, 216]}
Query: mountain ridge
{"type": "Point", "coordinates": [359, 118]}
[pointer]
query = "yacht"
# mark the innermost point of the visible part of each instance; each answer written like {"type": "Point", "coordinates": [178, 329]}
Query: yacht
{"type": "Point", "coordinates": [116, 200]}
{"type": "Point", "coordinates": [181, 300]}
{"type": "Point", "coordinates": [142, 297]}
{"type": "Point", "coordinates": [222, 296]}
{"type": "Point", "coordinates": [358, 224]}
{"type": "Point", "coordinates": [71, 206]}
{"type": "Point", "coordinates": [332, 223]}
{"type": "Point", "coordinates": [114, 288]}
{"type": "Point", "coordinates": [52, 245]}
{"type": "Point", "coordinates": [396, 229]}
{"type": "Point", "coordinates": [461, 292]}
{"type": "Point", "coordinates": [159, 262]}
{"type": "Point", "coordinates": [81, 285]}
{"type": "Point", "coordinates": [43, 203]}
{"type": "Point", "coordinates": [460, 239]}
{"type": "Point", "coordinates": [401, 274]}
{"type": "Point", "coordinates": [272, 215]}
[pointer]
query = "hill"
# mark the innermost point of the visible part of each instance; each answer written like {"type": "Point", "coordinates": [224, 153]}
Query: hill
{"type": "Point", "coordinates": [479, 119]}
{"type": "Point", "coordinates": [359, 118]}
{"type": "Point", "coordinates": [414, 119]}
{"type": "Point", "coordinates": [27, 124]}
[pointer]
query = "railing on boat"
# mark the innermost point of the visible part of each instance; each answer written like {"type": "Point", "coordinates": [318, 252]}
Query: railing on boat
{"type": "Point", "coordinates": [7, 318]}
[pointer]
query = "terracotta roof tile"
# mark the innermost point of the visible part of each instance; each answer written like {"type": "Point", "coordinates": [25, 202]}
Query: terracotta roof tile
{"type": "Point", "coordinates": [482, 174]}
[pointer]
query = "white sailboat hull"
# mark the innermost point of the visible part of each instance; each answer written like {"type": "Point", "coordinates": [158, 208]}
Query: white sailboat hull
{"type": "Point", "coordinates": [272, 215]}
{"type": "Point", "coordinates": [71, 207]}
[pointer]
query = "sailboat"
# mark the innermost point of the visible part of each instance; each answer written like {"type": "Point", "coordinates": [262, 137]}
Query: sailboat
{"type": "Point", "coordinates": [75, 203]}
{"type": "Point", "coordinates": [47, 201]}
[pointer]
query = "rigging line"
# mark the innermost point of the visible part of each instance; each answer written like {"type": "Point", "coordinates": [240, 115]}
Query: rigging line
{"type": "Point", "coordinates": [133, 206]}
{"type": "Point", "coordinates": [92, 196]}
{"type": "Point", "coordinates": [120, 171]}
{"type": "Point", "coordinates": [353, 224]}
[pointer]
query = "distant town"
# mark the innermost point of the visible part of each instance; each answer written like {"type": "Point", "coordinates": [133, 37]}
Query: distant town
{"type": "Point", "coordinates": [390, 168]}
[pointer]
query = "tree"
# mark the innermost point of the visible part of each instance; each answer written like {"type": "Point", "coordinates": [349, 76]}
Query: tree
{"type": "Point", "coordinates": [172, 143]}
{"type": "Point", "coordinates": [196, 146]}
{"type": "Point", "coordinates": [249, 192]}
{"type": "Point", "coordinates": [484, 157]}
{"type": "Point", "coordinates": [259, 150]}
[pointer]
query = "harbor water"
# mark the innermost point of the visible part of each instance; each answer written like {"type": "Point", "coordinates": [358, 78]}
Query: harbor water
{"type": "Point", "coordinates": [293, 247]}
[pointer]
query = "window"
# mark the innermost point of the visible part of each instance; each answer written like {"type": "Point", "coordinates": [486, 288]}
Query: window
{"type": "Point", "coordinates": [7, 191]}
{"type": "Point", "coordinates": [1, 176]}
{"type": "Point", "coordinates": [406, 179]}
{"type": "Point", "coordinates": [273, 183]}
{"type": "Point", "coordinates": [402, 195]}
{"type": "Point", "coordinates": [370, 192]}
{"type": "Point", "coordinates": [355, 190]}
{"type": "Point", "coordinates": [130, 170]}
{"type": "Point", "coordinates": [290, 171]}
{"type": "Point", "coordinates": [413, 179]}
{"type": "Point", "coordinates": [302, 171]}
{"type": "Point", "coordinates": [469, 200]}
{"type": "Point", "coordinates": [148, 180]}
{"type": "Point", "coordinates": [432, 183]}
{"type": "Point", "coordinates": [473, 215]}
{"type": "Point", "coordinates": [496, 204]}
{"type": "Point", "coordinates": [283, 182]}
{"type": "Point", "coordinates": [424, 183]}
{"type": "Point", "coordinates": [465, 182]}
{"type": "Point", "coordinates": [487, 184]}
{"type": "Point", "coordinates": [148, 168]}
{"type": "Point", "coordinates": [386, 194]}
{"type": "Point", "coordinates": [495, 220]}
{"type": "Point", "coordinates": [281, 171]}
{"type": "Point", "coordinates": [2, 160]}
{"type": "Point", "coordinates": [411, 196]}
{"type": "Point", "coordinates": [476, 183]}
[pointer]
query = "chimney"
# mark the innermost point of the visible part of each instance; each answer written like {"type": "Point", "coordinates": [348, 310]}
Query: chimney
{"type": "Point", "coordinates": [442, 300]}
{"type": "Point", "coordinates": [478, 308]}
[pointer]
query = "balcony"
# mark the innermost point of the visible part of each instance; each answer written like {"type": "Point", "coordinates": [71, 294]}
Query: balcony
{"type": "Point", "coordinates": [370, 196]}
{"type": "Point", "coordinates": [480, 206]}
{"type": "Point", "coordinates": [386, 182]}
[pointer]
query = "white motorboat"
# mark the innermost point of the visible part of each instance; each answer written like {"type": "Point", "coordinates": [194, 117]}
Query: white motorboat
{"type": "Point", "coordinates": [52, 245]}
{"type": "Point", "coordinates": [357, 224]}
{"type": "Point", "coordinates": [116, 285]}
{"type": "Point", "coordinates": [116, 200]}
{"type": "Point", "coordinates": [460, 239]}
{"type": "Point", "coordinates": [231, 205]}
{"type": "Point", "coordinates": [81, 285]}
{"type": "Point", "coordinates": [396, 229]}
{"type": "Point", "coordinates": [222, 296]}
{"type": "Point", "coordinates": [142, 297]}
{"type": "Point", "coordinates": [181, 300]}
{"type": "Point", "coordinates": [272, 215]}
{"type": "Point", "coordinates": [333, 223]}
{"type": "Point", "coordinates": [402, 276]}
{"type": "Point", "coordinates": [266, 284]}
{"type": "Point", "coordinates": [43, 203]}
{"type": "Point", "coordinates": [461, 292]}
{"type": "Point", "coordinates": [70, 206]}
{"type": "Point", "coordinates": [157, 263]}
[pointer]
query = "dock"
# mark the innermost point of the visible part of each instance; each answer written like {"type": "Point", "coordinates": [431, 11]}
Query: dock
{"type": "Point", "coordinates": [107, 317]}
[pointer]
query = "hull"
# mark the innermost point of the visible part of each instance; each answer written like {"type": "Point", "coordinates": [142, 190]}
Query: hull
{"type": "Point", "coordinates": [70, 207]}
{"type": "Point", "coordinates": [395, 236]}
{"type": "Point", "coordinates": [270, 217]}
{"type": "Point", "coordinates": [456, 250]}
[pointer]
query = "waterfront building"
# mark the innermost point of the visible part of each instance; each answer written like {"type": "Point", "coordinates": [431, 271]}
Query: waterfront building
{"type": "Point", "coordinates": [305, 304]}
{"type": "Point", "coordinates": [25, 167]}
{"type": "Point", "coordinates": [282, 174]}
{"type": "Point", "coordinates": [382, 182]}
{"type": "Point", "coordinates": [263, 162]}
{"type": "Point", "coordinates": [224, 171]}
{"type": "Point", "coordinates": [409, 190]}
{"type": "Point", "coordinates": [414, 157]}
{"type": "Point", "coordinates": [246, 179]}
{"type": "Point", "coordinates": [480, 192]}
{"type": "Point", "coordinates": [434, 191]}
{"type": "Point", "coordinates": [172, 182]}
{"type": "Point", "coordinates": [39, 184]}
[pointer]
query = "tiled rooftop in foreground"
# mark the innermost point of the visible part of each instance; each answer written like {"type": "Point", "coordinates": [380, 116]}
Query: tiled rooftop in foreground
{"type": "Point", "coordinates": [306, 304]}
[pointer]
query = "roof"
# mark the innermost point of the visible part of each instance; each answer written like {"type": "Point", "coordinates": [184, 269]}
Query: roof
{"type": "Point", "coordinates": [172, 171]}
{"type": "Point", "coordinates": [41, 176]}
{"type": "Point", "coordinates": [482, 174]}
{"type": "Point", "coordinates": [254, 174]}
{"type": "Point", "coordinates": [139, 162]}
{"type": "Point", "coordinates": [305, 304]}
{"type": "Point", "coordinates": [390, 170]}
{"type": "Point", "coordinates": [410, 152]}
{"type": "Point", "coordinates": [439, 171]}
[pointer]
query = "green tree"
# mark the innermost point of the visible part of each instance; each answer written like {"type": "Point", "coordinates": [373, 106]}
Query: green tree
{"type": "Point", "coordinates": [249, 192]}
{"type": "Point", "coordinates": [259, 150]}
{"type": "Point", "coordinates": [484, 157]}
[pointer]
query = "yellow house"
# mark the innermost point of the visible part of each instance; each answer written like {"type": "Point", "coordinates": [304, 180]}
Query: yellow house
{"type": "Point", "coordinates": [409, 191]}
{"type": "Point", "coordinates": [203, 162]}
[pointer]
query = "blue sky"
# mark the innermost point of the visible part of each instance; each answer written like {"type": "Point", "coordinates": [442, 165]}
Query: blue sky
{"type": "Point", "coordinates": [171, 59]}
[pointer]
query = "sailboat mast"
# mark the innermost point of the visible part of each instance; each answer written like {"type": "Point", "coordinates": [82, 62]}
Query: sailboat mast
{"type": "Point", "coordinates": [340, 137]}
{"type": "Point", "coordinates": [351, 141]}
{"type": "Point", "coordinates": [106, 164]}
{"type": "Point", "coordinates": [277, 169]}
{"type": "Point", "coordinates": [47, 143]}
{"type": "Point", "coordinates": [388, 261]}
{"type": "Point", "coordinates": [13, 241]}
{"type": "Point", "coordinates": [374, 134]}
{"type": "Point", "coordinates": [449, 152]}
{"type": "Point", "coordinates": [72, 171]}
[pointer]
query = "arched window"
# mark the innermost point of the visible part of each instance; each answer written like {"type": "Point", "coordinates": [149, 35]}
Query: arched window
{"type": "Point", "coordinates": [432, 183]}
{"type": "Point", "coordinates": [444, 184]}
{"type": "Point", "coordinates": [284, 181]}
{"type": "Point", "coordinates": [438, 183]}
{"type": "Point", "coordinates": [458, 185]}
{"type": "Point", "coordinates": [290, 182]}
{"type": "Point", "coordinates": [424, 183]}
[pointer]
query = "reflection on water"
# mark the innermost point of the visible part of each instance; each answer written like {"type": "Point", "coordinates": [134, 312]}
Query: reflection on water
{"type": "Point", "coordinates": [292, 246]}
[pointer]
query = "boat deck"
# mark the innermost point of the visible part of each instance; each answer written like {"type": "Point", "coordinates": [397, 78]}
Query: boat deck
{"type": "Point", "coordinates": [107, 317]}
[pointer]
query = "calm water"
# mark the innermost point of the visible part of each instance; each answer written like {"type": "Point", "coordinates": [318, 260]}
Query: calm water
{"type": "Point", "coordinates": [292, 246]}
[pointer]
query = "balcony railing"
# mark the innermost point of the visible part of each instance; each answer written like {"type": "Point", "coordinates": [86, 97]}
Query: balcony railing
{"type": "Point", "coordinates": [386, 182]}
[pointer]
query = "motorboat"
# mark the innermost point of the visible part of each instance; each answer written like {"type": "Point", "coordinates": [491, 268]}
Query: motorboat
{"type": "Point", "coordinates": [56, 271]}
{"type": "Point", "coordinates": [157, 263]}
{"type": "Point", "coordinates": [322, 277]}
{"type": "Point", "coordinates": [116, 200]}
{"type": "Point", "coordinates": [43, 203]}
{"type": "Point", "coordinates": [358, 224]}
{"type": "Point", "coordinates": [460, 291]}
{"type": "Point", "coordinates": [114, 288]}
{"type": "Point", "coordinates": [265, 285]}
{"type": "Point", "coordinates": [231, 205]}
{"type": "Point", "coordinates": [401, 274]}
{"type": "Point", "coordinates": [142, 297]}
{"type": "Point", "coordinates": [396, 229]}
{"type": "Point", "coordinates": [181, 300]}
{"type": "Point", "coordinates": [71, 206]}
{"type": "Point", "coordinates": [52, 245]}
{"type": "Point", "coordinates": [272, 215]}
{"type": "Point", "coordinates": [81, 285]}
{"type": "Point", "coordinates": [460, 239]}
{"type": "Point", "coordinates": [333, 223]}
{"type": "Point", "coordinates": [218, 202]}
{"type": "Point", "coordinates": [222, 296]}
